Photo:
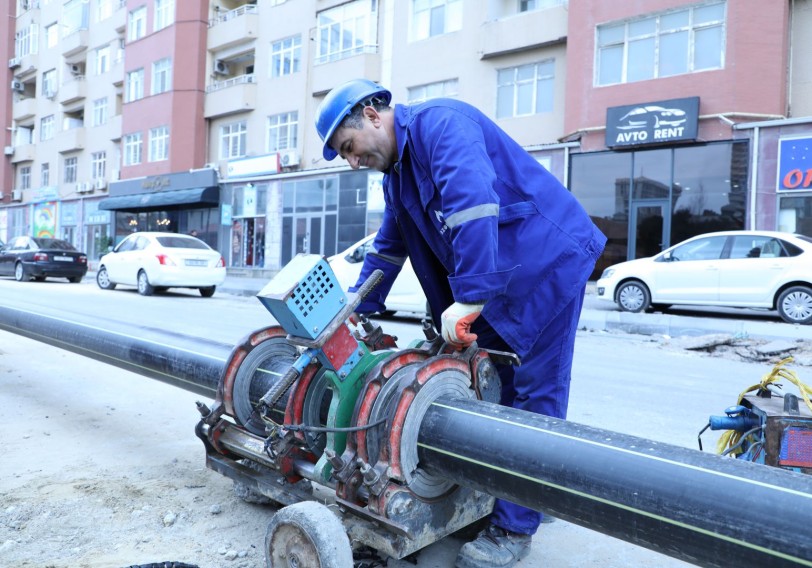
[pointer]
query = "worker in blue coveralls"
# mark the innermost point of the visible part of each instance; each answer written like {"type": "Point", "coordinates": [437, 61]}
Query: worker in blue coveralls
{"type": "Point", "coordinates": [502, 250]}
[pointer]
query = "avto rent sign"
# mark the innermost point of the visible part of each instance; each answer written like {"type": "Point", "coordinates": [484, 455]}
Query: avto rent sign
{"type": "Point", "coordinates": [795, 164]}
{"type": "Point", "coordinates": [658, 122]}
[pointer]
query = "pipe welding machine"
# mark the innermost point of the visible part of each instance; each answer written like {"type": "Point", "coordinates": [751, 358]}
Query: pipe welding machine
{"type": "Point", "coordinates": [314, 401]}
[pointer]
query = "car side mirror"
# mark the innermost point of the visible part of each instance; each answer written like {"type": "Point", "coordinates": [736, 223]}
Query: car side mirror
{"type": "Point", "coordinates": [358, 254]}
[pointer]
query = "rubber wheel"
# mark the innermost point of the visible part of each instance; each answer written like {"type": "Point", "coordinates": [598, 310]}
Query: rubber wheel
{"type": "Point", "coordinates": [103, 279]}
{"type": "Point", "coordinates": [20, 274]}
{"type": "Point", "coordinates": [307, 535]}
{"type": "Point", "coordinates": [75, 279]}
{"type": "Point", "coordinates": [795, 305]}
{"type": "Point", "coordinates": [144, 287]}
{"type": "Point", "coordinates": [633, 297]}
{"type": "Point", "coordinates": [208, 292]}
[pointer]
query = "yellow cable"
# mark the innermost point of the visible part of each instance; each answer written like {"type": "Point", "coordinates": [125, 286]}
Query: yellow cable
{"type": "Point", "coordinates": [731, 437]}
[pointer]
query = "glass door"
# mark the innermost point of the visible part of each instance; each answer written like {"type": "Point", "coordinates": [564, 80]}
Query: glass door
{"type": "Point", "coordinates": [649, 228]}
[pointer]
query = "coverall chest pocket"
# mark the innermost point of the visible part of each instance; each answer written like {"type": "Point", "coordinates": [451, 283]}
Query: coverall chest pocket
{"type": "Point", "coordinates": [516, 212]}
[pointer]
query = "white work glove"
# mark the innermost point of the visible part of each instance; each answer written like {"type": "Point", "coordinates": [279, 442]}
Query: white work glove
{"type": "Point", "coordinates": [457, 321]}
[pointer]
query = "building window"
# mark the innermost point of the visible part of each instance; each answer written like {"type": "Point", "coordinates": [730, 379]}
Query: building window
{"type": "Point", "coordinates": [49, 83]}
{"type": "Point", "coordinates": [282, 131]}
{"type": "Point", "coordinates": [525, 90]}
{"type": "Point", "coordinates": [71, 165]}
{"type": "Point", "coordinates": [135, 85]}
{"type": "Point", "coordinates": [233, 139]}
{"type": "Point", "coordinates": [25, 177]}
{"type": "Point", "coordinates": [164, 14]}
{"type": "Point", "coordinates": [103, 60]}
{"type": "Point", "coordinates": [673, 43]}
{"type": "Point", "coordinates": [435, 17]}
{"type": "Point", "coordinates": [45, 174]}
{"type": "Point", "coordinates": [422, 93]}
{"type": "Point", "coordinates": [159, 144]}
{"type": "Point", "coordinates": [137, 24]}
{"type": "Point", "coordinates": [285, 56]}
{"type": "Point", "coordinates": [162, 76]}
{"type": "Point", "coordinates": [98, 164]}
{"type": "Point", "coordinates": [25, 41]}
{"type": "Point", "coordinates": [104, 9]}
{"type": "Point", "coordinates": [530, 5]}
{"type": "Point", "coordinates": [347, 30]}
{"type": "Point", "coordinates": [75, 16]}
{"type": "Point", "coordinates": [46, 127]}
{"type": "Point", "coordinates": [132, 149]}
{"type": "Point", "coordinates": [52, 35]}
{"type": "Point", "coordinates": [99, 112]}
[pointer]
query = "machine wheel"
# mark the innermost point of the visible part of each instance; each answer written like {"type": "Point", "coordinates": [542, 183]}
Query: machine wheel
{"type": "Point", "coordinates": [307, 535]}
{"type": "Point", "coordinates": [208, 291]}
{"type": "Point", "coordinates": [795, 305]}
{"type": "Point", "coordinates": [633, 296]}
{"type": "Point", "coordinates": [20, 273]}
{"type": "Point", "coordinates": [103, 279]}
{"type": "Point", "coordinates": [144, 287]}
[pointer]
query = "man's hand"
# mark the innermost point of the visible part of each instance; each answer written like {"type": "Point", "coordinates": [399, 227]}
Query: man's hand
{"type": "Point", "coordinates": [457, 321]}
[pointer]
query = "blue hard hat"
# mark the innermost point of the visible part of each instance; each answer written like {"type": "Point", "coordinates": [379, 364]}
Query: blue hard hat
{"type": "Point", "coordinates": [339, 103]}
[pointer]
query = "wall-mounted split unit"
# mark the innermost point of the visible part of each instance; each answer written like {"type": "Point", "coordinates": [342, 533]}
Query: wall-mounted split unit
{"type": "Point", "coordinates": [18, 86]}
{"type": "Point", "coordinates": [99, 183]}
{"type": "Point", "coordinates": [289, 158]}
{"type": "Point", "coordinates": [8, 150]}
{"type": "Point", "coordinates": [16, 194]}
{"type": "Point", "coordinates": [14, 62]}
{"type": "Point", "coordinates": [220, 67]}
{"type": "Point", "coordinates": [83, 187]}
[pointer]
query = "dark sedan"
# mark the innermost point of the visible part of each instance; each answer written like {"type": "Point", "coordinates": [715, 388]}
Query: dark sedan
{"type": "Point", "coordinates": [40, 258]}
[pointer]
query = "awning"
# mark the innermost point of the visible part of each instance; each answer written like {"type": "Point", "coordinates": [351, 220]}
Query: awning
{"type": "Point", "coordinates": [158, 200]}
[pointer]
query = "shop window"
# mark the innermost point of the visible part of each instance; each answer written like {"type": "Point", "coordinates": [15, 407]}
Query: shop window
{"type": "Point", "coordinates": [795, 214]}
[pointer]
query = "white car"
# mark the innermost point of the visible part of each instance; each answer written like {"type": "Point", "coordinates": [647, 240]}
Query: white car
{"type": "Point", "coordinates": [154, 261]}
{"type": "Point", "coordinates": [742, 269]}
{"type": "Point", "coordinates": [406, 294]}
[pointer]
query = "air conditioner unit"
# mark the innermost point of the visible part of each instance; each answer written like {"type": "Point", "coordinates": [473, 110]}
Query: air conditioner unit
{"type": "Point", "coordinates": [8, 150]}
{"type": "Point", "coordinates": [220, 67]}
{"type": "Point", "coordinates": [17, 86]}
{"type": "Point", "coordinates": [289, 158]}
{"type": "Point", "coordinates": [14, 62]}
{"type": "Point", "coordinates": [99, 183]}
{"type": "Point", "coordinates": [16, 194]}
{"type": "Point", "coordinates": [83, 187]}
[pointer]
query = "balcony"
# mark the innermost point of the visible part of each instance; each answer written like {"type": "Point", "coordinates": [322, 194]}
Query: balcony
{"type": "Point", "coordinates": [23, 153]}
{"type": "Point", "coordinates": [24, 109]}
{"type": "Point", "coordinates": [524, 31]}
{"type": "Point", "coordinates": [238, 94]}
{"type": "Point", "coordinates": [74, 46]}
{"type": "Point", "coordinates": [71, 140]}
{"type": "Point", "coordinates": [328, 75]}
{"type": "Point", "coordinates": [27, 67]}
{"type": "Point", "coordinates": [72, 91]}
{"type": "Point", "coordinates": [233, 27]}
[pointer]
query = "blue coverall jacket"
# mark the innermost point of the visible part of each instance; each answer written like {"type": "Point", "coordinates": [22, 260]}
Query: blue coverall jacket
{"type": "Point", "coordinates": [481, 221]}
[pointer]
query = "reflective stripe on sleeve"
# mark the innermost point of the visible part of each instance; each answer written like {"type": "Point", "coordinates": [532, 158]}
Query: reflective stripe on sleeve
{"type": "Point", "coordinates": [478, 212]}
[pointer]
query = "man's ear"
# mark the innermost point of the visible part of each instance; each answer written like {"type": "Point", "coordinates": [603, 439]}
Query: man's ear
{"type": "Point", "coordinates": [372, 115]}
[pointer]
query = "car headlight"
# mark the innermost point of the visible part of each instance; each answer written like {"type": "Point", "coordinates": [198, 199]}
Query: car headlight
{"type": "Point", "coordinates": [608, 272]}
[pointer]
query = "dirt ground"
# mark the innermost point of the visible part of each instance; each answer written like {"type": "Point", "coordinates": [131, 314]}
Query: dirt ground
{"type": "Point", "coordinates": [77, 491]}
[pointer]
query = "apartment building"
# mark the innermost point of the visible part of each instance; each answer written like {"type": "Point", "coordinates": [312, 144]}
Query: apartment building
{"type": "Point", "coordinates": [667, 118]}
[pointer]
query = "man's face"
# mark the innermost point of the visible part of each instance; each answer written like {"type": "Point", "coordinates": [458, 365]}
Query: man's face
{"type": "Point", "coordinates": [372, 146]}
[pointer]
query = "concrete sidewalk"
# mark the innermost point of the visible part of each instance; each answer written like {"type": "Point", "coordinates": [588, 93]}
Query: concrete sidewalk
{"type": "Point", "coordinates": [607, 318]}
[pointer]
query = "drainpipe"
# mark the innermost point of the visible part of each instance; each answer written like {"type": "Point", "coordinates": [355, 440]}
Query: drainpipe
{"type": "Point", "coordinates": [754, 179]}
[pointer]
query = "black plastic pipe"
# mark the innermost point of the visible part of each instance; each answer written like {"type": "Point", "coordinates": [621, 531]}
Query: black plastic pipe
{"type": "Point", "coordinates": [190, 363]}
{"type": "Point", "coordinates": [698, 507]}
{"type": "Point", "coordinates": [694, 506]}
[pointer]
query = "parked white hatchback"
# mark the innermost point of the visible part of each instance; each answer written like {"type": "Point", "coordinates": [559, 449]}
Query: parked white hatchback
{"type": "Point", "coordinates": [154, 261]}
{"type": "Point", "coordinates": [741, 269]}
{"type": "Point", "coordinates": [406, 294]}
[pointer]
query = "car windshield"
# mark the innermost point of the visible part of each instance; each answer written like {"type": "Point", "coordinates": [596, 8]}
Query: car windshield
{"type": "Point", "coordinates": [179, 241]}
{"type": "Point", "coordinates": [53, 244]}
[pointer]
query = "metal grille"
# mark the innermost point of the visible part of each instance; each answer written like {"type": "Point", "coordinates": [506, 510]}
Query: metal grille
{"type": "Point", "coordinates": [311, 291]}
{"type": "Point", "coordinates": [796, 447]}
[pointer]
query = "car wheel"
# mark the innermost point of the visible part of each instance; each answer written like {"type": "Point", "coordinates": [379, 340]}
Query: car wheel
{"type": "Point", "coordinates": [20, 273]}
{"type": "Point", "coordinates": [208, 292]}
{"type": "Point", "coordinates": [144, 287]}
{"type": "Point", "coordinates": [633, 297]}
{"type": "Point", "coordinates": [39, 278]}
{"type": "Point", "coordinates": [795, 305]}
{"type": "Point", "coordinates": [75, 279]}
{"type": "Point", "coordinates": [103, 279]}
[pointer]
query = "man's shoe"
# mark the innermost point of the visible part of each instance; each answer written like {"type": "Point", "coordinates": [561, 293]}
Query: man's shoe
{"type": "Point", "coordinates": [494, 547]}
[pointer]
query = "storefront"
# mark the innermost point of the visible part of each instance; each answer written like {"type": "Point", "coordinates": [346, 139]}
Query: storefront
{"type": "Point", "coordinates": [657, 185]}
{"type": "Point", "coordinates": [185, 202]}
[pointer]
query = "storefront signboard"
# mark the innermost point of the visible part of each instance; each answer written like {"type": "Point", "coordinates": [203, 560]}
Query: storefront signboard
{"type": "Point", "coordinates": [658, 122]}
{"type": "Point", "coordinates": [259, 165]}
{"type": "Point", "coordinates": [795, 164]}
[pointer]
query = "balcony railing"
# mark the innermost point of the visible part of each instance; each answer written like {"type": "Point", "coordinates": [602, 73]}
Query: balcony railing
{"type": "Point", "coordinates": [231, 14]}
{"type": "Point", "coordinates": [240, 80]}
